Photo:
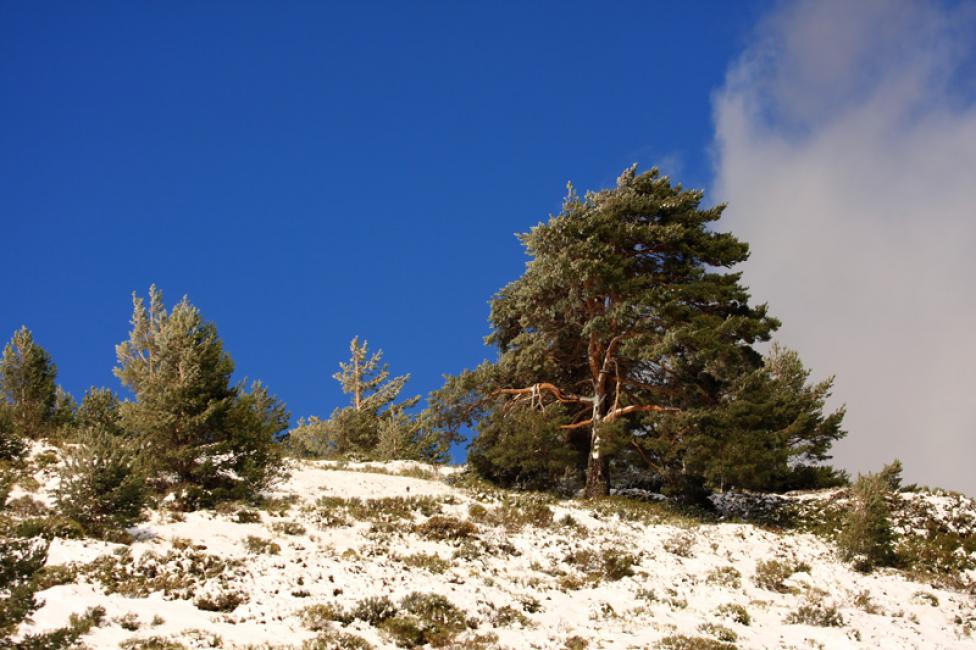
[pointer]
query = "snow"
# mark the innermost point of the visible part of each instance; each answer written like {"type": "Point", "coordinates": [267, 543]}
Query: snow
{"type": "Point", "coordinates": [669, 593]}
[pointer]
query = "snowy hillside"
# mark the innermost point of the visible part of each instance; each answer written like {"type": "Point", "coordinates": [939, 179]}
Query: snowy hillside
{"type": "Point", "coordinates": [398, 554]}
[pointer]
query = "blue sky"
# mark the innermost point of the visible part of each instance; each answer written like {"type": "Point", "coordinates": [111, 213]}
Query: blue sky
{"type": "Point", "coordinates": [307, 172]}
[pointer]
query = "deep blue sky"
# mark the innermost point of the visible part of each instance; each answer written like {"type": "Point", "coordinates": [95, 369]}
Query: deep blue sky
{"type": "Point", "coordinates": [307, 172]}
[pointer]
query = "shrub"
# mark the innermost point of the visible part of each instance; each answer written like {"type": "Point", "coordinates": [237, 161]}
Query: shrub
{"type": "Point", "coordinates": [288, 528]}
{"type": "Point", "coordinates": [226, 601]}
{"type": "Point", "coordinates": [425, 618]}
{"type": "Point", "coordinates": [261, 545]}
{"type": "Point", "coordinates": [737, 613]}
{"type": "Point", "coordinates": [101, 485]}
{"type": "Point", "coordinates": [374, 610]}
{"type": "Point", "coordinates": [865, 537]}
{"type": "Point", "coordinates": [720, 632]}
{"type": "Point", "coordinates": [726, 576]}
{"type": "Point", "coordinates": [772, 574]}
{"type": "Point", "coordinates": [816, 613]}
{"type": "Point", "coordinates": [20, 560]}
{"type": "Point", "coordinates": [683, 642]}
{"type": "Point", "coordinates": [446, 528]}
{"type": "Point", "coordinates": [336, 640]}
{"type": "Point", "coordinates": [429, 561]}
{"type": "Point", "coordinates": [246, 516]}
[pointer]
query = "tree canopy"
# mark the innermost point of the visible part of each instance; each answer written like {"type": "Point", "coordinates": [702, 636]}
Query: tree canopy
{"type": "Point", "coordinates": [625, 331]}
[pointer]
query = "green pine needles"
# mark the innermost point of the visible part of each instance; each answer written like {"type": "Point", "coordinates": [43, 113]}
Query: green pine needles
{"type": "Point", "coordinates": [201, 435]}
{"type": "Point", "coordinates": [375, 425]}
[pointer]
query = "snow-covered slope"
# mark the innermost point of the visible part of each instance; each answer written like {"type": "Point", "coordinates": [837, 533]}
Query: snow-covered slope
{"type": "Point", "coordinates": [316, 562]}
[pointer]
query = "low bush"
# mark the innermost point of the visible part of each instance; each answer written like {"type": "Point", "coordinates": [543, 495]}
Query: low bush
{"type": "Point", "coordinates": [816, 613]}
{"type": "Point", "coordinates": [446, 528]}
{"type": "Point", "coordinates": [866, 538]}
{"type": "Point", "coordinates": [102, 486]}
{"type": "Point", "coordinates": [773, 574]}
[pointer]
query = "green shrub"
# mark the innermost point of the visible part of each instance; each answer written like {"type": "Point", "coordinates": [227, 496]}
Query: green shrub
{"type": "Point", "coordinates": [336, 640]}
{"type": "Point", "coordinates": [772, 574]}
{"type": "Point", "coordinates": [245, 516]}
{"type": "Point", "coordinates": [425, 618]}
{"type": "Point", "coordinates": [446, 528]}
{"type": "Point", "coordinates": [816, 613]}
{"type": "Point", "coordinates": [726, 576]}
{"type": "Point", "coordinates": [20, 560]}
{"type": "Point", "coordinates": [49, 528]}
{"type": "Point", "coordinates": [260, 545]}
{"type": "Point", "coordinates": [866, 538]}
{"type": "Point", "coordinates": [226, 601]}
{"type": "Point", "coordinates": [683, 642]}
{"type": "Point", "coordinates": [101, 484]}
{"type": "Point", "coordinates": [737, 613]}
{"type": "Point", "coordinates": [429, 561]}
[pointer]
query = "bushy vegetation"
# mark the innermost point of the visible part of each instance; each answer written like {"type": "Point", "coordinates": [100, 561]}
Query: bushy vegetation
{"type": "Point", "coordinates": [102, 485]}
{"type": "Point", "coordinates": [375, 425]}
{"type": "Point", "coordinates": [866, 538]}
{"type": "Point", "coordinates": [203, 437]}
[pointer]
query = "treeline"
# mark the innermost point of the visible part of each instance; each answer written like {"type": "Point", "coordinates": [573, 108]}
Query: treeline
{"type": "Point", "coordinates": [627, 348]}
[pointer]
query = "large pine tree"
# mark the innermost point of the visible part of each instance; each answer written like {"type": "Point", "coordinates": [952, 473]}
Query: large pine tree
{"type": "Point", "coordinates": [626, 318]}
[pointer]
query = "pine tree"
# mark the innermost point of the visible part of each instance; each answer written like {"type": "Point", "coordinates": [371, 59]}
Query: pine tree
{"type": "Point", "coordinates": [624, 317]}
{"type": "Point", "coordinates": [771, 432]}
{"type": "Point", "coordinates": [866, 538]}
{"type": "Point", "coordinates": [356, 429]}
{"type": "Point", "coordinates": [100, 409]}
{"type": "Point", "coordinates": [101, 485]}
{"type": "Point", "coordinates": [27, 380]}
{"type": "Point", "coordinates": [196, 428]}
{"type": "Point", "coordinates": [373, 390]}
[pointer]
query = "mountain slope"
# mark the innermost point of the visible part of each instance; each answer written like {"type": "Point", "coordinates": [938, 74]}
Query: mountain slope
{"type": "Point", "coordinates": [344, 555]}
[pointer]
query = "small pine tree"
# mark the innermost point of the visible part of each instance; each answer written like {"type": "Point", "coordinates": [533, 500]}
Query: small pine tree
{"type": "Point", "coordinates": [197, 430]}
{"type": "Point", "coordinates": [20, 560]}
{"type": "Point", "coordinates": [27, 380]}
{"type": "Point", "coordinates": [100, 409]}
{"type": "Point", "coordinates": [102, 485]}
{"type": "Point", "coordinates": [866, 537]}
{"type": "Point", "coordinates": [373, 417]}
{"type": "Point", "coordinates": [11, 443]}
{"type": "Point", "coordinates": [373, 390]}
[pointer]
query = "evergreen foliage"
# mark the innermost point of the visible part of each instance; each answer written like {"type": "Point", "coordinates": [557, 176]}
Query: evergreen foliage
{"type": "Point", "coordinates": [20, 560]}
{"type": "Point", "coordinates": [27, 381]}
{"type": "Point", "coordinates": [11, 443]}
{"type": "Point", "coordinates": [866, 538]}
{"type": "Point", "coordinates": [375, 425]}
{"type": "Point", "coordinates": [624, 317]}
{"type": "Point", "coordinates": [771, 432]}
{"type": "Point", "coordinates": [99, 410]}
{"type": "Point", "coordinates": [102, 485]}
{"type": "Point", "coordinates": [197, 430]}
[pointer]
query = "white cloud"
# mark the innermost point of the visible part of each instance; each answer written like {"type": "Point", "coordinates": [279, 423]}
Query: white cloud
{"type": "Point", "coordinates": [846, 148]}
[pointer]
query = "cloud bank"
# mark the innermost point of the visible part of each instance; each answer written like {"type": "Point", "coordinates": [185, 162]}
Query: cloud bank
{"type": "Point", "coordinates": [845, 145]}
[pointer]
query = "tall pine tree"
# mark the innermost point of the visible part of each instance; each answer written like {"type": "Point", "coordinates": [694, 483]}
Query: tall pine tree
{"type": "Point", "coordinates": [625, 318]}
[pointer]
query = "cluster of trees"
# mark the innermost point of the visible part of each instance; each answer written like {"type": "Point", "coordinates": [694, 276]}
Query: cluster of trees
{"type": "Point", "coordinates": [375, 425]}
{"type": "Point", "coordinates": [626, 346]}
{"type": "Point", "coordinates": [188, 431]}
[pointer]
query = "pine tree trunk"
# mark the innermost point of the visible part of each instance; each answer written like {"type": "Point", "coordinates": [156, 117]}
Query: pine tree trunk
{"type": "Point", "coordinates": [597, 477]}
{"type": "Point", "coordinates": [597, 465]}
